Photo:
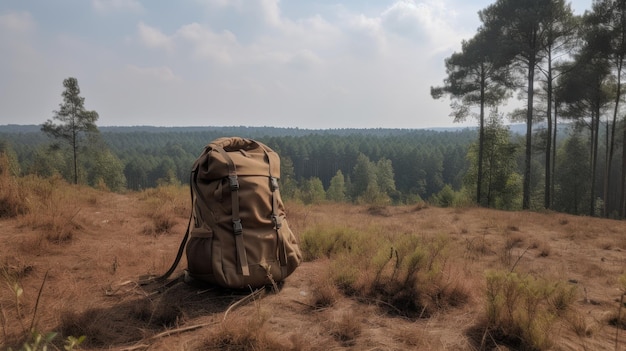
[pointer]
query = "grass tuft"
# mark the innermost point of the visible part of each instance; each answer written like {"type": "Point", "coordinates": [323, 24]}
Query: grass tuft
{"type": "Point", "coordinates": [403, 273]}
{"type": "Point", "coordinates": [346, 329]}
{"type": "Point", "coordinates": [240, 333]}
{"type": "Point", "coordinates": [323, 242]}
{"type": "Point", "coordinates": [54, 208]}
{"type": "Point", "coordinates": [521, 311]}
{"type": "Point", "coordinates": [11, 198]}
{"type": "Point", "coordinates": [163, 206]}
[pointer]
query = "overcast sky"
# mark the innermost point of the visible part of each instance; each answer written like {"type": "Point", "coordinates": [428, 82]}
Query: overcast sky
{"type": "Point", "coordinates": [282, 63]}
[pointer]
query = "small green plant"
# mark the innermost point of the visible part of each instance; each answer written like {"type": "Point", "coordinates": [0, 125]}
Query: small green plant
{"type": "Point", "coordinates": [34, 339]}
{"type": "Point", "coordinates": [38, 342]}
{"type": "Point", "coordinates": [13, 283]}
{"type": "Point", "coordinates": [322, 242]}
{"type": "Point", "coordinates": [72, 342]}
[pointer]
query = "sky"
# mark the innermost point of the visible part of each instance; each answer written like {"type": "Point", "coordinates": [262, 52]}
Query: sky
{"type": "Point", "coordinates": [318, 64]}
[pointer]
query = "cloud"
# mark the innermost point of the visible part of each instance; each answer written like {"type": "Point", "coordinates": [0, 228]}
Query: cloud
{"type": "Point", "coordinates": [108, 6]}
{"type": "Point", "coordinates": [241, 62]}
{"type": "Point", "coordinates": [270, 11]}
{"type": "Point", "coordinates": [317, 67]}
{"type": "Point", "coordinates": [221, 48]}
{"type": "Point", "coordinates": [154, 38]}
{"type": "Point", "coordinates": [17, 22]}
{"type": "Point", "coordinates": [17, 43]}
{"type": "Point", "coordinates": [265, 12]}
{"type": "Point", "coordinates": [162, 73]}
{"type": "Point", "coordinates": [364, 36]}
{"type": "Point", "coordinates": [426, 23]}
{"type": "Point", "coordinates": [304, 60]}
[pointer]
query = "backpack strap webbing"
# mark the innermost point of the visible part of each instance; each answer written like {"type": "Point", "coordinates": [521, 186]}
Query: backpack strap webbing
{"type": "Point", "coordinates": [237, 227]}
{"type": "Point", "coordinates": [282, 250]}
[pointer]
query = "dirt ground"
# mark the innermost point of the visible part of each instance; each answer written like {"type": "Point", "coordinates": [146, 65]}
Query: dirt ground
{"type": "Point", "coordinates": [86, 285]}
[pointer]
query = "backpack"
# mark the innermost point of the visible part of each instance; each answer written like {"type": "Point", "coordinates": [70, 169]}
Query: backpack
{"type": "Point", "coordinates": [238, 235]}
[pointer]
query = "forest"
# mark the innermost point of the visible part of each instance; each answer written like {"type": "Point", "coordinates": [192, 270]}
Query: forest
{"type": "Point", "coordinates": [373, 166]}
{"type": "Point", "coordinates": [418, 163]}
{"type": "Point", "coordinates": [565, 68]}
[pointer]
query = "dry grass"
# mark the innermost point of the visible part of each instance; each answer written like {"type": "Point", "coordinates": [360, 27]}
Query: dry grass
{"type": "Point", "coordinates": [325, 294]}
{"type": "Point", "coordinates": [346, 329]}
{"type": "Point", "coordinates": [521, 311]}
{"type": "Point", "coordinates": [371, 273]}
{"type": "Point", "coordinates": [163, 205]}
{"type": "Point", "coordinates": [244, 332]}
{"type": "Point", "coordinates": [54, 209]}
{"type": "Point", "coordinates": [11, 199]}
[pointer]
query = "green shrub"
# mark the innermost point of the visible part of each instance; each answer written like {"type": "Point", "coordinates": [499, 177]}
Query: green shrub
{"type": "Point", "coordinates": [320, 242]}
{"type": "Point", "coordinates": [521, 310]}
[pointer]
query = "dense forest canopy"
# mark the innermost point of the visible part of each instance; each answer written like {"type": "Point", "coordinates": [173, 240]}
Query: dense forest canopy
{"type": "Point", "coordinates": [423, 161]}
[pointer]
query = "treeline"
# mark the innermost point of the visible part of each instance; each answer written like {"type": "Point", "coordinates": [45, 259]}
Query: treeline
{"type": "Point", "coordinates": [413, 164]}
{"type": "Point", "coordinates": [363, 166]}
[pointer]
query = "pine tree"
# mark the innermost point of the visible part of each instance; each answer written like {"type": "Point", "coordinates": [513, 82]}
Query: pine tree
{"type": "Point", "coordinates": [74, 121]}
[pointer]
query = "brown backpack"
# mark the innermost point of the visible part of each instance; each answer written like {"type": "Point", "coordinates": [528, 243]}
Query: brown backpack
{"type": "Point", "coordinates": [238, 235]}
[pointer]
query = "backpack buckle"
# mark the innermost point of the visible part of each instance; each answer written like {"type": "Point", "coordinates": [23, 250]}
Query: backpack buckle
{"type": "Point", "coordinates": [277, 222]}
{"type": "Point", "coordinates": [234, 184]}
{"type": "Point", "coordinates": [237, 227]}
{"type": "Point", "coordinates": [273, 183]}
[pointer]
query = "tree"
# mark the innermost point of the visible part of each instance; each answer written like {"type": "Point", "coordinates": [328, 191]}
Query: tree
{"type": "Point", "coordinates": [337, 189]}
{"type": "Point", "coordinates": [500, 180]}
{"type": "Point", "coordinates": [571, 173]}
{"type": "Point", "coordinates": [48, 162]}
{"type": "Point", "coordinates": [476, 77]}
{"type": "Point", "coordinates": [74, 121]}
{"type": "Point", "coordinates": [445, 197]}
{"type": "Point", "coordinates": [588, 92]}
{"type": "Point", "coordinates": [136, 174]}
{"type": "Point", "coordinates": [606, 24]}
{"type": "Point", "coordinates": [363, 176]}
{"type": "Point", "coordinates": [561, 28]}
{"type": "Point", "coordinates": [106, 168]}
{"type": "Point", "coordinates": [523, 26]}
{"type": "Point", "coordinates": [288, 183]}
{"type": "Point", "coordinates": [385, 177]}
{"type": "Point", "coordinates": [12, 164]}
{"type": "Point", "coordinates": [313, 191]}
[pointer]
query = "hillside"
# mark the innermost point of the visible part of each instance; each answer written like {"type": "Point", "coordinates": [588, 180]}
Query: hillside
{"type": "Point", "coordinates": [81, 254]}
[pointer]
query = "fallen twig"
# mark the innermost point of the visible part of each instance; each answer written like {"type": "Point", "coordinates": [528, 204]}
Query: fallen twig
{"type": "Point", "coordinates": [166, 333]}
{"type": "Point", "coordinates": [243, 300]}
